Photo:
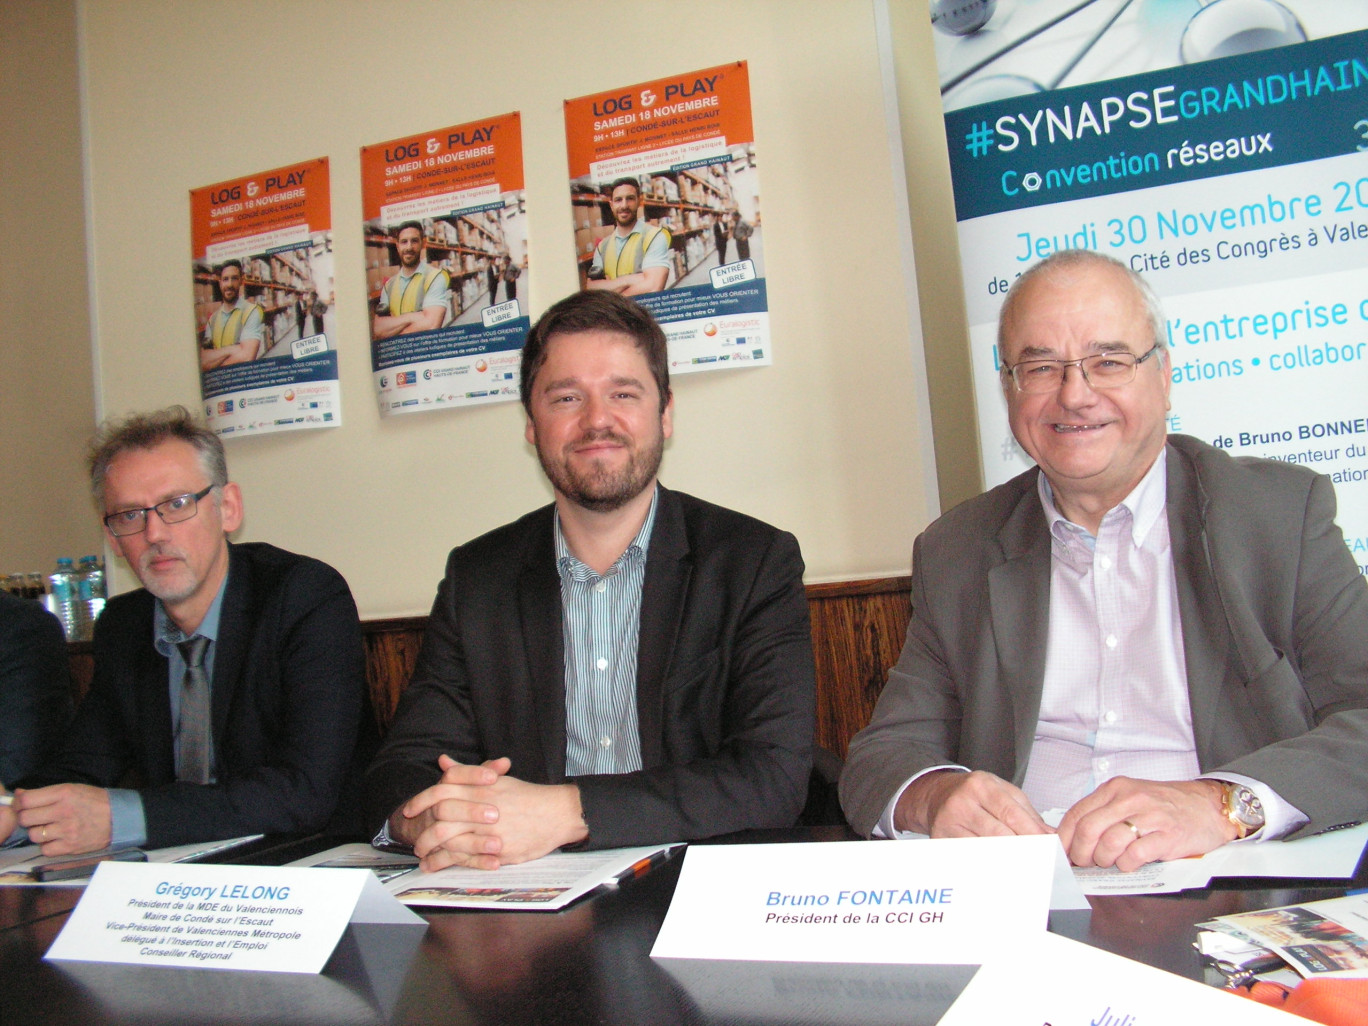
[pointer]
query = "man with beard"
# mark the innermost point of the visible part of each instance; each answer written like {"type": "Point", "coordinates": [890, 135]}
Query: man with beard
{"type": "Point", "coordinates": [418, 298]}
{"type": "Point", "coordinates": [236, 331]}
{"type": "Point", "coordinates": [628, 665]}
{"type": "Point", "coordinates": [229, 692]}
{"type": "Point", "coordinates": [635, 257]}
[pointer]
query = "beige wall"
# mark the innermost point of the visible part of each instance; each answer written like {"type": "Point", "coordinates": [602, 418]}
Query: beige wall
{"type": "Point", "coordinates": [825, 443]}
{"type": "Point", "coordinates": [46, 407]}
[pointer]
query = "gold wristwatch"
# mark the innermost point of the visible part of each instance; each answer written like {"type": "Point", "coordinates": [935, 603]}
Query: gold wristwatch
{"type": "Point", "coordinates": [1242, 807]}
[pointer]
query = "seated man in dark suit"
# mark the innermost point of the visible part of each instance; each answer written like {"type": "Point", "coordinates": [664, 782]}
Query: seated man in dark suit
{"type": "Point", "coordinates": [628, 665]}
{"type": "Point", "coordinates": [229, 692]}
{"type": "Point", "coordinates": [35, 685]}
{"type": "Point", "coordinates": [1161, 639]}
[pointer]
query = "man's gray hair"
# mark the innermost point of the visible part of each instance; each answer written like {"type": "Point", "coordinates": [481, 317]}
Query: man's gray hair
{"type": "Point", "coordinates": [1065, 261]}
{"type": "Point", "coordinates": [147, 431]}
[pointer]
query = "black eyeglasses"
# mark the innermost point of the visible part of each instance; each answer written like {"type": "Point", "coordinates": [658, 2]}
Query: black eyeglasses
{"type": "Point", "coordinates": [172, 511]}
{"type": "Point", "coordinates": [1101, 370]}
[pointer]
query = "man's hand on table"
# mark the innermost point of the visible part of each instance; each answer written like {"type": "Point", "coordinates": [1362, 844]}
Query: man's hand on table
{"type": "Point", "coordinates": [952, 803]}
{"type": "Point", "coordinates": [1128, 823]}
{"type": "Point", "coordinates": [482, 818]}
{"type": "Point", "coordinates": [64, 819]}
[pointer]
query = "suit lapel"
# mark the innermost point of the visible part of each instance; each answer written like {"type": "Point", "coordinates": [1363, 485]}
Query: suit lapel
{"type": "Point", "coordinates": [539, 605]}
{"type": "Point", "coordinates": [1199, 601]}
{"type": "Point", "coordinates": [236, 614]}
{"type": "Point", "coordinates": [1019, 597]}
{"type": "Point", "coordinates": [663, 595]}
{"type": "Point", "coordinates": [154, 701]}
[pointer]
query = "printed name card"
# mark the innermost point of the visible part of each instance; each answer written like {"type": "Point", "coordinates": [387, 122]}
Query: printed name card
{"type": "Point", "coordinates": [944, 902]}
{"type": "Point", "coordinates": [1061, 981]}
{"type": "Point", "coordinates": [223, 917]}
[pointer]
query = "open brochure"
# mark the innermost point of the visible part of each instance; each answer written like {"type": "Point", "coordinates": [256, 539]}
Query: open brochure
{"type": "Point", "coordinates": [1331, 854]}
{"type": "Point", "coordinates": [550, 882]}
{"type": "Point", "coordinates": [1316, 938]}
{"type": "Point", "coordinates": [18, 865]}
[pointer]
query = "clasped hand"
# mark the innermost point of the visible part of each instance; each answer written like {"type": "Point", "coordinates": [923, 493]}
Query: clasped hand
{"type": "Point", "coordinates": [483, 818]}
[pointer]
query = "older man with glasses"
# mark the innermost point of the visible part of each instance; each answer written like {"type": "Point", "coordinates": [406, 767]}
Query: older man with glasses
{"type": "Point", "coordinates": [1161, 642]}
{"type": "Point", "coordinates": [229, 692]}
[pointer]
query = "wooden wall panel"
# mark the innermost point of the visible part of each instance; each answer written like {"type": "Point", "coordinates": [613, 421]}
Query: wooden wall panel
{"type": "Point", "coordinates": [857, 633]}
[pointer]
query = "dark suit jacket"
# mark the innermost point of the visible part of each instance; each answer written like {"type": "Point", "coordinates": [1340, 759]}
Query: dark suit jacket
{"type": "Point", "coordinates": [1275, 635]}
{"type": "Point", "coordinates": [725, 678]}
{"type": "Point", "coordinates": [35, 685]}
{"type": "Point", "coordinates": [289, 703]}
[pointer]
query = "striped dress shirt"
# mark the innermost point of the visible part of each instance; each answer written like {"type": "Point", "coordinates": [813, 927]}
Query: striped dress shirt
{"type": "Point", "coordinates": [601, 623]}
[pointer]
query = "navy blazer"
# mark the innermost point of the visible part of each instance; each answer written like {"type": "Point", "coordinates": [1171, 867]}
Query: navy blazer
{"type": "Point", "coordinates": [725, 679]}
{"type": "Point", "coordinates": [290, 717]}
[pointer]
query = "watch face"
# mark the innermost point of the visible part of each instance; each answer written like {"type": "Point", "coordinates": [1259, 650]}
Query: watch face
{"type": "Point", "coordinates": [1246, 807]}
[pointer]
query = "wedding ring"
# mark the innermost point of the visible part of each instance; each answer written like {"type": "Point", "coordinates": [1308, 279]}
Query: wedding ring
{"type": "Point", "coordinates": [1133, 828]}
{"type": "Point", "coordinates": [43, 828]}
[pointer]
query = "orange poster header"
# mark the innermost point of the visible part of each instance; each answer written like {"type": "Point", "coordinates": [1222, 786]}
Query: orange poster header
{"type": "Point", "coordinates": [689, 108]}
{"type": "Point", "coordinates": [256, 204]}
{"type": "Point", "coordinates": [443, 161]}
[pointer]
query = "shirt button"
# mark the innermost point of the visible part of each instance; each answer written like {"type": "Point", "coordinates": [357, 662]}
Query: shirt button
{"type": "Point", "coordinates": [1110, 716]}
{"type": "Point", "coordinates": [605, 742]}
{"type": "Point", "coordinates": [601, 586]}
{"type": "Point", "coordinates": [1111, 640]}
{"type": "Point", "coordinates": [1103, 765]}
{"type": "Point", "coordinates": [602, 663]}
{"type": "Point", "coordinates": [1104, 562]}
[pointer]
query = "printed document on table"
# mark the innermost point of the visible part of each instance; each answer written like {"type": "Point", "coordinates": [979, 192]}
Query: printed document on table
{"type": "Point", "coordinates": [544, 884]}
{"type": "Point", "coordinates": [1330, 855]}
{"type": "Point", "coordinates": [1317, 938]}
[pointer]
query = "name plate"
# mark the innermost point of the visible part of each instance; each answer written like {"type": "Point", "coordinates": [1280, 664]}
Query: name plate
{"type": "Point", "coordinates": [944, 902]}
{"type": "Point", "coordinates": [222, 917]}
{"type": "Point", "coordinates": [1058, 980]}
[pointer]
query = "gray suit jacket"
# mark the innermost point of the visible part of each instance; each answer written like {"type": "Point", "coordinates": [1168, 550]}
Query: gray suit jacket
{"type": "Point", "coordinates": [1275, 634]}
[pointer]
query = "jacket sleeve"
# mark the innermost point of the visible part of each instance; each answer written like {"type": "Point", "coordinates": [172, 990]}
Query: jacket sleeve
{"type": "Point", "coordinates": [35, 688]}
{"type": "Point", "coordinates": [916, 723]}
{"type": "Point", "coordinates": [435, 714]}
{"type": "Point", "coordinates": [1306, 678]}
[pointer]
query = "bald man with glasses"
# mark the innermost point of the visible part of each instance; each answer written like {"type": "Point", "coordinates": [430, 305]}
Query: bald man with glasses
{"type": "Point", "coordinates": [229, 691]}
{"type": "Point", "coordinates": [1165, 643]}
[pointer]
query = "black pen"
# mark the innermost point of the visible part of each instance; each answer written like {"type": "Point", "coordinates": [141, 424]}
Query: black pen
{"type": "Point", "coordinates": [82, 865]}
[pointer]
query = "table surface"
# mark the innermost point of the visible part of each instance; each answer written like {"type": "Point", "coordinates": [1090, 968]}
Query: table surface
{"type": "Point", "coordinates": [589, 963]}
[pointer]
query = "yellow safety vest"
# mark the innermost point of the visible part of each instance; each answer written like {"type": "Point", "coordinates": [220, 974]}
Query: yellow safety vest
{"type": "Point", "coordinates": [227, 331]}
{"type": "Point", "coordinates": [630, 253]}
{"type": "Point", "coordinates": [410, 298]}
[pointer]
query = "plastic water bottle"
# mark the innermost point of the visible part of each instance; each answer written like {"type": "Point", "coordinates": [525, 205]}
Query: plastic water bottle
{"type": "Point", "coordinates": [90, 595]}
{"type": "Point", "coordinates": [61, 596]}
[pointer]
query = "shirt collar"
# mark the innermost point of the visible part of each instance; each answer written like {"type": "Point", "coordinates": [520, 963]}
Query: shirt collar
{"type": "Point", "coordinates": [566, 561]}
{"type": "Point", "coordinates": [1144, 505]}
{"type": "Point", "coordinates": [166, 635]}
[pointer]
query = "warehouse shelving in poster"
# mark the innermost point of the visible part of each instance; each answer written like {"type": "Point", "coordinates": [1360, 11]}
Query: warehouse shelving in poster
{"type": "Point", "coordinates": [446, 257]}
{"type": "Point", "coordinates": [262, 265]}
{"type": "Point", "coordinates": [665, 190]}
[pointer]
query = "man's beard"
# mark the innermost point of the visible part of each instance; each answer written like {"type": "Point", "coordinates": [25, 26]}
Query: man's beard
{"type": "Point", "coordinates": [598, 489]}
{"type": "Point", "coordinates": [172, 588]}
